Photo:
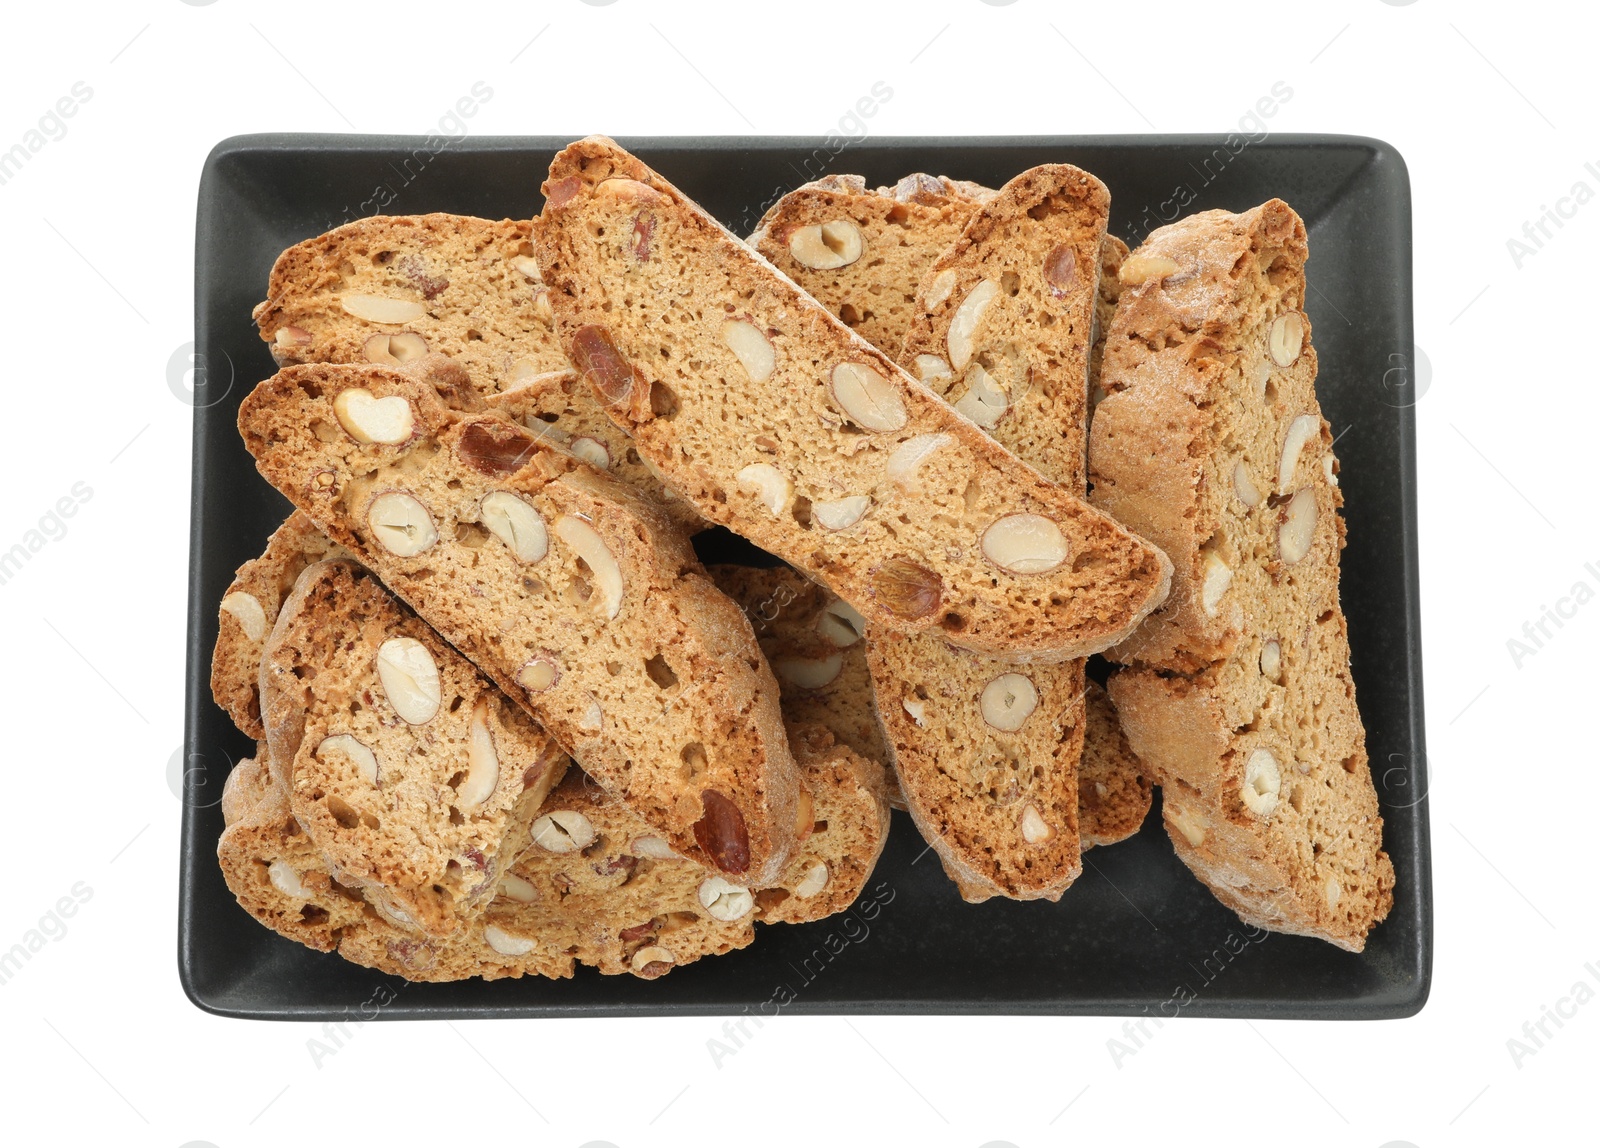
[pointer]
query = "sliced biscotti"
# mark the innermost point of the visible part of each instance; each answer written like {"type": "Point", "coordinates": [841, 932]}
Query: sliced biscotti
{"type": "Point", "coordinates": [1005, 316]}
{"type": "Point", "coordinates": [986, 752]}
{"type": "Point", "coordinates": [561, 409]}
{"type": "Point", "coordinates": [600, 888]}
{"type": "Point", "coordinates": [414, 290]}
{"type": "Point", "coordinates": [861, 252]}
{"type": "Point", "coordinates": [1279, 817]}
{"type": "Point", "coordinates": [282, 880]}
{"type": "Point", "coordinates": [391, 288]}
{"type": "Point", "coordinates": [1211, 441]}
{"type": "Point", "coordinates": [249, 609]}
{"type": "Point", "coordinates": [571, 590]}
{"type": "Point", "coordinates": [412, 774]}
{"type": "Point", "coordinates": [847, 804]}
{"type": "Point", "coordinates": [814, 643]}
{"type": "Point", "coordinates": [776, 420]}
{"type": "Point", "coordinates": [272, 867]}
{"type": "Point", "coordinates": [596, 888]}
{"type": "Point", "coordinates": [1114, 789]}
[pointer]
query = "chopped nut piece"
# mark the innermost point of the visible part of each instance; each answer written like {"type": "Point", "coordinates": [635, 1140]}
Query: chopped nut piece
{"type": "Point", "coordinates": [867, 398]}
{"type": "Point", "coordinates": [410, 679]}
{"type": "Point", "coordinates": [1025, 544]}
{"type": "Point", "coordinates": [401, 524]}
{"type": "Point", "coordinates": [381, 308]}
{"type": "Point", "coordinates": [514, 521]}
{"type": "Point", "coordinates": [1285, 338]}
{"type": "Point", "coordinates": [1299, 524]}
{"type": "Point", "coordinates": [563, 831]}
{"type": "Point", "coordinates": [247, 611]}
{"type": "Point", "coordinates": [367, 419]}
{"type": "Point", "coordinates": [826, 246]}
{"type": "Point", "coordinates": [1260, 788]}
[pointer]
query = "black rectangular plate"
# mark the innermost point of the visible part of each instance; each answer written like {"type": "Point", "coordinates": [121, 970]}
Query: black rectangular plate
{"type": "Point", "coordinates": [1137, 933]}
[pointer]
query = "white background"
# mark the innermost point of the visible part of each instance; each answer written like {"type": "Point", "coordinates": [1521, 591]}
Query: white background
{"type": "Point", "coordinates": [1493, 108]}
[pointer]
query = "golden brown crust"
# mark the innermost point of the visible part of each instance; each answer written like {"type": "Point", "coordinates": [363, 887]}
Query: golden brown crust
{"type": "Point", "coordinates": [1112, 253]}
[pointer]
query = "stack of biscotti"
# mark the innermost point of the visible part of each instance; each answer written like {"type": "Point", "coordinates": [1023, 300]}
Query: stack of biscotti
{"type": "Point", "coordinates": [496, 437]}
{"type": "Point", "coordinates": [1237, 693]}
{"type": "Point", "coordinates": [1009, 288]}
{"type": "Point", "coordinates": [864, 479]}
{"type": "Point", "coordinates": [398, 813]}
{"type": "Point", "coordinates": [595, 888]}
{"type": "Point", "coordinates": [594, 565]}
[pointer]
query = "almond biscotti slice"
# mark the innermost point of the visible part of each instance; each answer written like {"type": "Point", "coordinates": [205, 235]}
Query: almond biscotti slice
{"type": "Point", "coordinates": [1279, 817]}
{"type": "Point", "coordinates": [1114, 789]}
{"type": "Point", "coordinates": [814, 643]}
{"type": "Point", "coordinates": [986, 752]}
{"type": "Point", "coordinates": [391, 288]}
{"type": "Point", "coordinates": [411, 773]}
{"type": "Point", "coordinates": [282, 880]}
{"type": "Point", "coordinates": [272, 867]}
{"type": "Point", "coordinates": [861, 252]}
{"type": "Point", "coordinates": [600, 888]}
{"type": "Point", "coordinates": [1005, 316]}
{"type": "Point", "coordinates": [849, 812]}
{"type": "Point", "coordinates": [1239, 699]}
{"type": "Point", "coordinates": [1210, 438]}
{"type": "Point", "coordinates": [397, 290]}
{"type": "Point", "coordinates": [776, 420]}
{"type": "Point", "coordinates": [569, 589]}
{"type": "Point", "coordinates": [249, 609]}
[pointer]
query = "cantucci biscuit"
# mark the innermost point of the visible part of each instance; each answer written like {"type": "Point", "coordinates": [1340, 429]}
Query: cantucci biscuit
{"type": "Point", "coordinates": [773, 418]}
{"type": "Point", "coordinates": [410, 772]}
{"type": "Point", "coordinates": [1238, 695]}
{"type": "Point", "coordinates": [987, 752]}
{"type": "Point", "coordinates": [392, 288]}
{"type": "Point", "coordinates": [396, 289]}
